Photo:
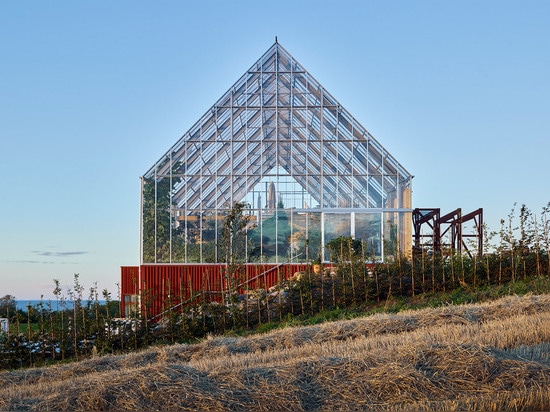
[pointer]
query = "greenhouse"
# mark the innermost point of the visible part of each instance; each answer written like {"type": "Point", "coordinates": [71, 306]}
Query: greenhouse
{"type": "Point", "coordinates": [305, 169]}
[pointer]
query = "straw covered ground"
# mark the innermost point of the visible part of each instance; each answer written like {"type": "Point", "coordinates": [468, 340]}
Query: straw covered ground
{"type": "Point", "coordinates": [490, 356]}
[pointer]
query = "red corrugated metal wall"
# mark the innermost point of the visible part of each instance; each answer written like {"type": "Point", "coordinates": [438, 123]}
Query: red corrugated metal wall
{"type": "Point", "coordinates": [165, 286]}
{"type": "Point", "coordinates": [129, 278]}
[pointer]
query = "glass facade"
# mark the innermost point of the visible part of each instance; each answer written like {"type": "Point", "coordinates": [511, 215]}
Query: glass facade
{"type": "Point", "coordinates": [307, 171]}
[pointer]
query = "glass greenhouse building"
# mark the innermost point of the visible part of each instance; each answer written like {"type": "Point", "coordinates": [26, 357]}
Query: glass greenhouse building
{"type": "Point", "coordinates": [306, 170]}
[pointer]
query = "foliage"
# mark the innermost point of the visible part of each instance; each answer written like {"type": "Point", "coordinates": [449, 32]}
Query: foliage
{"type": "Point", "coordinates": [8, 306]}
{"type": "Point", "coordinates": [69, 328]}
{"type": "Point", "coordinates": [163, 240]}
{"type": "Point", "coordinates": [272, 238]}
{"type": "Point", "coordinates": [76, 326]}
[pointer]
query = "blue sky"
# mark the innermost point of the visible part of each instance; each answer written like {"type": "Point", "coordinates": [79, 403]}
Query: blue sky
{"type": "Point", "coordinates": [93, 93]}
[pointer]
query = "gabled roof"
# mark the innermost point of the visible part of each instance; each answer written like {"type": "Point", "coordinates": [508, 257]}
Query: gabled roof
{"type": "Point", "coordinates": [278, 122]}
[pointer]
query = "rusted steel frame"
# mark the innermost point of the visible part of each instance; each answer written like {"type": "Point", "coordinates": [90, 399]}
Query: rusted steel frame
{"type": "Point", "coordinates": [477, 217]}
{"type": "Point", "coordinates": [429, 216]}
{"type": "Point", "coordinates": [453, 219]}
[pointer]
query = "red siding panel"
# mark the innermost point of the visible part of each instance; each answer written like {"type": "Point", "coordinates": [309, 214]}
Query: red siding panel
{"type": "Point", "coordinates": [165, 286]}
{"type": "Point", "coordinates": [129, 279]}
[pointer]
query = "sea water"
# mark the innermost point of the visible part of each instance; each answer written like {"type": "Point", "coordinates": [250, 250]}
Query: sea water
{"type": "Point", "coordinates": [23, 304]}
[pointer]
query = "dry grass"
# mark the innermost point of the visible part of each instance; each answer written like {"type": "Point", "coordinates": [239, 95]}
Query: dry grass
{"type": "Point", "coordinates": [491, 356]}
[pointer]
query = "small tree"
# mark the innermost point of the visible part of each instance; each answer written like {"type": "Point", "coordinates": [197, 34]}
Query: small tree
{"type": "Point", "coordinates": [234, 245]}
{"type": "Point", "coordinates": [545, 231]}
{"type": "Point", "coordinates": [8, 306]}
{"type": "Point", "coordinates": [347, 253]}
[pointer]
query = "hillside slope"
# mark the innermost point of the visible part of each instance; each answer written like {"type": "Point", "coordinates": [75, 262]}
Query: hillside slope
{"type": "Point", "coordinates": [490, 356]}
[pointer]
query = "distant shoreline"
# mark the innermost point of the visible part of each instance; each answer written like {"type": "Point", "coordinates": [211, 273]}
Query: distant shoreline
{"type": "Point", "coordinates": [23, 304]}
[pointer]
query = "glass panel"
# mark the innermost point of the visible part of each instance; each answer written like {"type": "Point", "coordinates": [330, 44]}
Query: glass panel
{"type": "Point", "coordinates": [336, 224]}
{"type": "Point", "coordinates": [375, 192]}
{"type": "Point", "coordinates": [191, 234]}
{"type": "Point", "coordinates": [130, 305]}
{"type": "Point", "coordinates": [397, 234]}
{"type": "Point", "coordinates": [211, 233]}
{"type": "Point", "coordinates": [314, 237]}
{"type": "Point", "coordinates": [271, 237]}
{"type": "Point", "coordinates": [368, 228]}
{"type": "Point", "coordinates": [298, 236]}
{"type": "Point", "coordinates": [390, 188]}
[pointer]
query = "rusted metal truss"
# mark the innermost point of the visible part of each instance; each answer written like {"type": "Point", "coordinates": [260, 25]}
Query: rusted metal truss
{"type": "Point", "coordinates": [445, 233]}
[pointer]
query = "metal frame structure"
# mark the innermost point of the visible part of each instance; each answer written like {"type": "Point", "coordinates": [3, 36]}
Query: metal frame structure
{"type": "Point", "coordinates": [448, 226]}
{"type": "Point", "coordinates": [279, 142]}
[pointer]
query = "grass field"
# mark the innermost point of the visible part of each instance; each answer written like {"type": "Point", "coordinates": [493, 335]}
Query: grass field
{"type": "Point", "coordinates": [489, 356]}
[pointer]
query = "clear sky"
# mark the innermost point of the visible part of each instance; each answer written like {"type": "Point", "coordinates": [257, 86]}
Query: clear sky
{"type": "Point", "coordinates": [93, 93]}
